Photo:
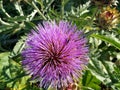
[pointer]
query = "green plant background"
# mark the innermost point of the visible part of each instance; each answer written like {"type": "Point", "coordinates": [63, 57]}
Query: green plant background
{"type": "Point", "coordinates": [18, 17]}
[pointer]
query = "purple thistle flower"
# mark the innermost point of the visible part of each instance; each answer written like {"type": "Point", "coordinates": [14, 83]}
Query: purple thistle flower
{"type": "Point", "coordinates": [56, 54]}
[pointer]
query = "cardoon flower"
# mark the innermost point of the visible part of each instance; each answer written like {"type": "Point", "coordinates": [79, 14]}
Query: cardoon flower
{"type": "Point", "coordinates": [108, 18]}
{"type": "Point", "coordinates": [55, 54]}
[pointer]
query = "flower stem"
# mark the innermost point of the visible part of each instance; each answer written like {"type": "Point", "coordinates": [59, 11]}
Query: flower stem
{"type": "Point", "coordinates": [40, 13]}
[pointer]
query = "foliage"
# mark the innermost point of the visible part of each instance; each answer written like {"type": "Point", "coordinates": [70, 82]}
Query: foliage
{"type": "Point", "coordinates": [18, 17]}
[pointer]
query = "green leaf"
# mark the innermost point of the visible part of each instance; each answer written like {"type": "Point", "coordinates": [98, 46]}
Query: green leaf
{"type": "Point", "coordinates": [97, 69]}
{"type": "Point", "coordinates": [110, 40]}
{"type": "Point", "coordinates": [18, 8]}
{"type": "Point", "coordinates": [80, 10]}
{"type": "Point", "coordinates": [18, 47]}
{"type": "Point", "coordinates": [41, 3]}
{"type": "Point", "coordinates": [4, 59]}
{"type": "Point", "coordinates": [2, 86]}
{"type": "Point", "coordinates": [29, 25]}
{"type": "Point", "coordinates": [6, 27]}
{"type": "Point", "coordinates": [103, 70]}
{"type": "Point", "coordinates": [17, 18]}
{"type": "Point", "coordinates": [90, 82]}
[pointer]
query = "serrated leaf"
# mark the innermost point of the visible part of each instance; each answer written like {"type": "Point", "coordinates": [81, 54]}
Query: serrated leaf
{"type": "Point", "coordinates": [96, 69]}
{"type": "Point", "coordinates": [103, 70]}
{"type": "Point", "coordinates": [82, 9]}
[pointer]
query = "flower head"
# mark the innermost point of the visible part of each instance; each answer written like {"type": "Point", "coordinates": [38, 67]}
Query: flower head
{"type": "Point", "coordinates": [108, 18]}
{"type": "Point", "coordinates": [55, 54]}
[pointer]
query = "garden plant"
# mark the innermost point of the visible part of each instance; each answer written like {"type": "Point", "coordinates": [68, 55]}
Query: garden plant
{"type": "Point", "coordinates": [59, 45]}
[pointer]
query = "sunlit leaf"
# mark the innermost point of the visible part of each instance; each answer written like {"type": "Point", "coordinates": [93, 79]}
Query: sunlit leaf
{"type": "Point", "coordinates": [108, 39]}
